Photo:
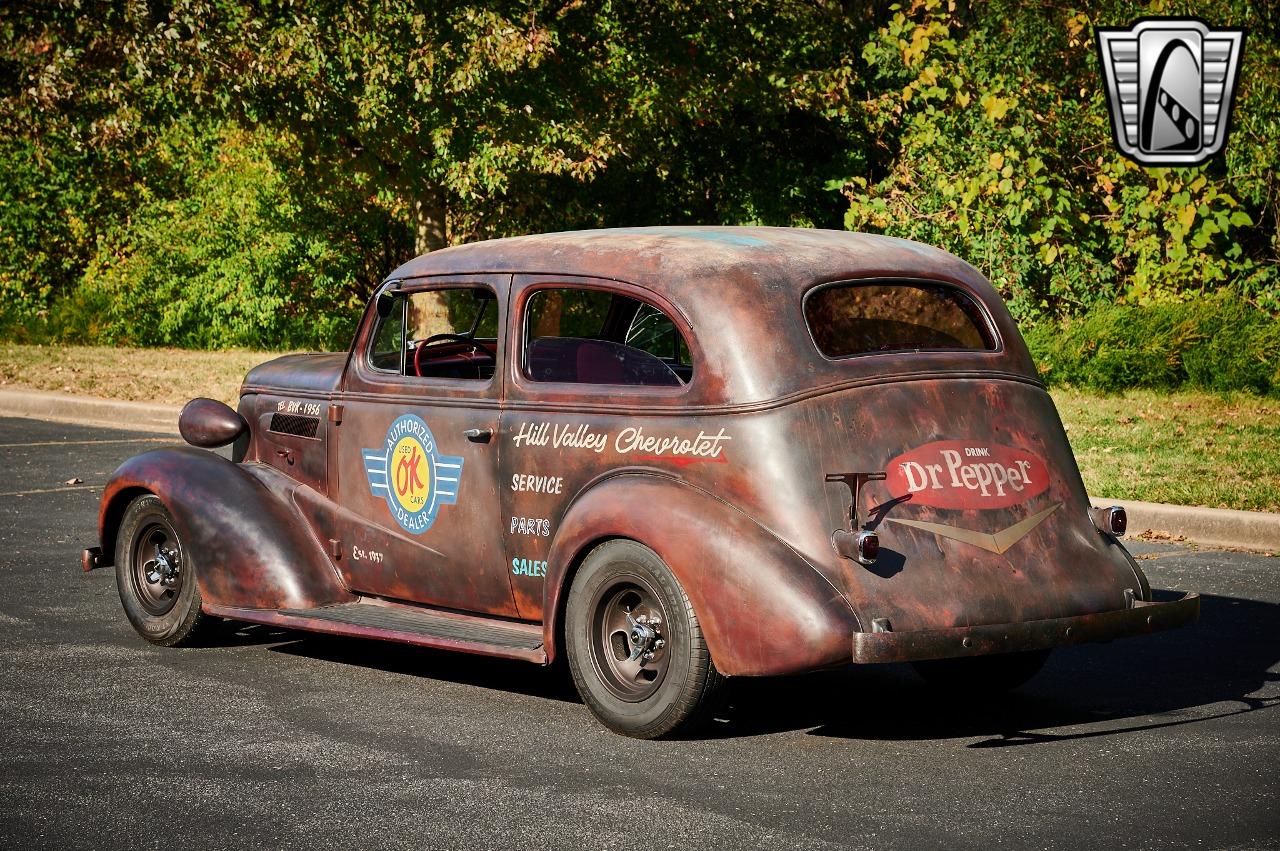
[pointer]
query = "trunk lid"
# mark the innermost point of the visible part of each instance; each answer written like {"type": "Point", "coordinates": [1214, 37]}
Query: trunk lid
{"type": "Point", "coordinates": [982, 517]}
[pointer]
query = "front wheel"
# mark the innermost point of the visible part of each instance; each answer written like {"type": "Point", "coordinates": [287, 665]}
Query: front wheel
{"type": "Point", "coordinates": [982, 675]}
{"type": "Point", "coordinates": [155, 576]}
{"type": "Point", "coordinates": [635, 648]}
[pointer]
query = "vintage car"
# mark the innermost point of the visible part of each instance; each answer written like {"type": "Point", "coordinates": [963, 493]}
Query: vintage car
{"type": "Point", "coordinates": [669, 456]}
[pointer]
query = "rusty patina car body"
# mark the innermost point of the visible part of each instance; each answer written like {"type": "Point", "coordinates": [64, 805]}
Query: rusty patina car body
{"type": "Point", "coordinates": [752, 481]}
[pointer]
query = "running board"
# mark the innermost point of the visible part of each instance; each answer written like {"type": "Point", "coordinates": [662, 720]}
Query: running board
{"type": "Point", "coordinates": [407, 625]}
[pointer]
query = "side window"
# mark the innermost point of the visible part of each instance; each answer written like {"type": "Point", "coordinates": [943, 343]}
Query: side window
{"type": "Point", "coordinates": [448, 333]}
{"type": "Point", "coordinates": [652, 331]}
{"type": "Point", "coordinates": [596, 337]}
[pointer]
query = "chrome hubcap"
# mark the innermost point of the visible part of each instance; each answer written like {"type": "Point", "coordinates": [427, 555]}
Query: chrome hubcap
{"type": "Point", "coordinates": [163, 568]}
{"type": "Point", "coordinates": [645, 639]}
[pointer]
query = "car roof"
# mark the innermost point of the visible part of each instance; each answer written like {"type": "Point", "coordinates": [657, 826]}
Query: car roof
{"type": "Point", "coordinates": [744, 284]}
{"type": "Point", "coordinates": [671, 260]}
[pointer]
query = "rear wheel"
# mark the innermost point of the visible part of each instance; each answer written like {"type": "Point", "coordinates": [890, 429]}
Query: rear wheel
{"type": "Point", "coordinates": [635, 648]}
{"type": "Point", "coordinates": [982, 674]}
{"type": "Point", "coordinates": [155, 576]}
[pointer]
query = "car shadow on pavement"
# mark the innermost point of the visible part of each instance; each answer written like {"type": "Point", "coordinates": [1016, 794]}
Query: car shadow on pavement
{"type": "Point", "coordinates": [488, 672]}
{"type": "Point", "coordinates": [1218, 667]}
{"type": "Point", "coordinates": [1221, 666]}
{"type": "Point", "coordinates": [237, 634]}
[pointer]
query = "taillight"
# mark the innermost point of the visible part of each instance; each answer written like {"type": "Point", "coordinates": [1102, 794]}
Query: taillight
{"type": "Point", "coordinates": [862, 547]}
{"type": "Point", "coordinates": [868, 547]}
{"type": "Point", "coordinates": [1112, 520]}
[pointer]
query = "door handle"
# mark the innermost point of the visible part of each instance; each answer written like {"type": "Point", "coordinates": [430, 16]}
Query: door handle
{"type": "Point", "coordinates": [478, 435]}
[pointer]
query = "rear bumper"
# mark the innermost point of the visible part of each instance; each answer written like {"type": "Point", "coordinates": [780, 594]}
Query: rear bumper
{"type": "Point", "coordinates": [1142, 618]}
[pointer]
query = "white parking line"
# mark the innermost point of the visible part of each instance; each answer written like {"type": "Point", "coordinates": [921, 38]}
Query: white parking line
{"type": "Point", "coordinates": [52, 490]}
{"type": "Point", "coordinates": [88, 442]}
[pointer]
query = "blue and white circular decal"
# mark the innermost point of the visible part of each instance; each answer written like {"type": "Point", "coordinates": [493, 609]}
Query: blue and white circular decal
{"type": "Point", "coordinates": [411, 475]}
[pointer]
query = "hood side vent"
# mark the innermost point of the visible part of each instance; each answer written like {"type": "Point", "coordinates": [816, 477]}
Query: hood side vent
{"type": "Point", "coordinates": [295, 424]}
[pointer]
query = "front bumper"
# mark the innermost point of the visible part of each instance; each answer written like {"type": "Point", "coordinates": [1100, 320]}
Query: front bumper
{"type": "Point", "coordinates": [1142, 617]}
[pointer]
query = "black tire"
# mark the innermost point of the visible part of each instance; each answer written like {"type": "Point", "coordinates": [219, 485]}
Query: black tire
{"type": "Point", "coordinates": [673, 690]}
{"type": "Point", "coordinates": [155, 576]}
{"type": "Point", "coordinates": [982, 675]}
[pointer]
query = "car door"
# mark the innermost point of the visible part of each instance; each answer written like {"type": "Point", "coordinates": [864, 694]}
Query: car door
{"type": "Point", "coordinates": [418, 462]}
{"type": "Point", "coordinates": [594, 365]}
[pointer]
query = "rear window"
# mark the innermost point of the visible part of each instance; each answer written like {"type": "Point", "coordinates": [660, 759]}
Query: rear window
{"type": "Point", "coordinates": [855, 318]}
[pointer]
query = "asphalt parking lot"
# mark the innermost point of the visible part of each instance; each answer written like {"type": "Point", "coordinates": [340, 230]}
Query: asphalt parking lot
{"type": "Point", "coordinates": [270, 738]}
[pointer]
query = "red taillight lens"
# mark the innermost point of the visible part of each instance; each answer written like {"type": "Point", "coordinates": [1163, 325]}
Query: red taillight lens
{"type": "Point", "coordinates": [1113, 520]}
{"type": "Point", "coordinates": [1118, 520]}
{"type": "Point", "coordinates": [868, 547]}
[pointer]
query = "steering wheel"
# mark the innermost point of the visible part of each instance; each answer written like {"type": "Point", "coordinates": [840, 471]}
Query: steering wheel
{"type": "Point", "coordinates": [458, 338]}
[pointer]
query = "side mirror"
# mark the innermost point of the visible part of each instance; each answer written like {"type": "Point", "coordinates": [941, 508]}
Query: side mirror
{"type": "Point", "coordinates": [208, 423]}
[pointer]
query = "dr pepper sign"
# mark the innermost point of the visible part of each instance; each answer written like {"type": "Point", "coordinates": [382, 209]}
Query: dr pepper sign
{"type": "Point", "coordinates": [967, 474]}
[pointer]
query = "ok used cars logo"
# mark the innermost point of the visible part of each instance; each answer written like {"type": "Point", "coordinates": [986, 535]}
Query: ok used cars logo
{"type": "Point", "coordinates": [967, 474]}
{"type": "Point", "coordinates": [411, 475]}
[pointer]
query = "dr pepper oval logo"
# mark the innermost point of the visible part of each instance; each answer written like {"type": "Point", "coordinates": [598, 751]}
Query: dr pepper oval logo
{"type": "Point", "coordinates": [967, 474]}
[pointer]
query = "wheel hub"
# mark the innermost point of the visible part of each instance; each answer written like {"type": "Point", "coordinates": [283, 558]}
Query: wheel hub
{"type": "Point", "coordinates": [163, 568]}
{"type": "Point", "coordinates": [645, 639]}
{"type": "Point", "coordinates": [155, 569]}
{"type": "Point", "coordinates": [629, 647]}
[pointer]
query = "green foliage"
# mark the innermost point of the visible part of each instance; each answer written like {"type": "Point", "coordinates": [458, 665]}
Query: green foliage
{"type": "Point", "coordinates": [42, 244]}
{"type": "Point", "coordinates": [435, 123]}
{"type": "Point", "coordinates": [218, 172]}
{"type": "Point", "coordinates": [1000, 150]}
{"type": "Point", "coordinates": [1221, 343]}
{"type": "Point", "coordinates": [235, 260]}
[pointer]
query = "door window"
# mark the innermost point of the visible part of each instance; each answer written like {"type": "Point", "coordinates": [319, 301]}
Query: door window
{"type": "Point", "coordinates": [595, 337]}
{"type": "Point", "coordinates": [444, 333]}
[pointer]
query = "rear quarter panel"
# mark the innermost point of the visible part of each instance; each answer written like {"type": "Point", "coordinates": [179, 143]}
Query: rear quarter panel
{"type": "Point", "coordinates": [932, 577]}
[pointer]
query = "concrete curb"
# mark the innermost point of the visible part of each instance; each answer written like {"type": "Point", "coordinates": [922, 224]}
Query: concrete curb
{"type": "Point", "coordinates": [89, 410]}
{"type": "Point", "coordinates": [1212, 527]}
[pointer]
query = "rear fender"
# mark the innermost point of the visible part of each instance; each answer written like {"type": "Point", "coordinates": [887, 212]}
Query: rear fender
{"type": "Point", "coordinates": [763, 609]}
{"type": "Point", "coordinates": [251, 546]}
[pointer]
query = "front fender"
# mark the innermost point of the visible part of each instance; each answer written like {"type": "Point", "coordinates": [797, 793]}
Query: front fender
{"type": "Point", "coordinates": [763, 609]}
{"type": "Point", "coordinates": [251, 546]}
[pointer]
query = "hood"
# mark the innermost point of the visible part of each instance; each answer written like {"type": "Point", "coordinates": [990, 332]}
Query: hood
{"type": "Point", "coordinates": [319, 373]}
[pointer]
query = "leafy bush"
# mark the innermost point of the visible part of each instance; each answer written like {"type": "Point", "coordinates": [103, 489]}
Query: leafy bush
{"type": "Point", "coordinates": [46, 212]}
{"type": "Point", "coordinates": [999, 148]}
{"type": "Point", "coordinates": [1222, 343]}
{"type": "Point", "coordinates": [242, 256]}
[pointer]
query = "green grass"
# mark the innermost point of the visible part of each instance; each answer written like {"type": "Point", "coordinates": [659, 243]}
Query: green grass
{"type": "Point", "coordinates": [169, 376]}
{"type": "Point", "coordinates": [1185, 447]}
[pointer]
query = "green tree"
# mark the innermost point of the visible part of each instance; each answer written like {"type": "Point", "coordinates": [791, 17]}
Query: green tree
{"type": "Point", "coordinates": [481, 120]}
{"type": "Point", "coordinates": [998, 147]}
{"type": "Point", "coordinates": [190, 171]}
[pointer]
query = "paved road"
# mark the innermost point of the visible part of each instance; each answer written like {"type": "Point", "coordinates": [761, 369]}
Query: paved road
{"type": "Point", "coordinates": [279, 739]}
